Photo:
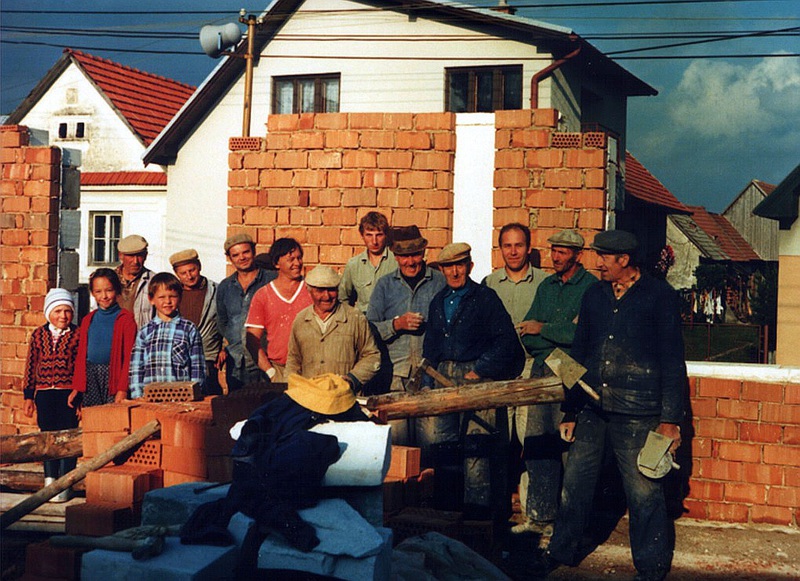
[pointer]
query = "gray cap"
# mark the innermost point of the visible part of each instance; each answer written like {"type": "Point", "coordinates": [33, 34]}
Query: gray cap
{"type": "Point", "coordinates": [455, 252]}
{"type": "Point", "coordinates": [183, 257]}
{"type": "Point", "coordinates": [615, 242]}
{"type": "Point", "coordinates": [133, 244]}
{"type": "Point", "coordinates": [240, 238]}
{"type": "Point", "coordinates": [568, 238]}
{"type": "Point", "coordinates": [323, 277]}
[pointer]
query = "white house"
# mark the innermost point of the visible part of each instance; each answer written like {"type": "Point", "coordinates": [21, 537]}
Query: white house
{"type": "Point", "coordinates": [110, 113]}
{"type": "Point", "coordinates": [392, 56]}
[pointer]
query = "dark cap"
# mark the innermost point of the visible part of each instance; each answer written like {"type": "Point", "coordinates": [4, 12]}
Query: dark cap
{"type": "Point", "coordinates": [407, 240]}
{"type": "Point", "coordinates": [615, 242]}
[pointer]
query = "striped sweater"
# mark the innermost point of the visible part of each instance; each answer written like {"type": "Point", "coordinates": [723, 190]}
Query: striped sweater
{"type": "Point", "coordinates": [50, 366]}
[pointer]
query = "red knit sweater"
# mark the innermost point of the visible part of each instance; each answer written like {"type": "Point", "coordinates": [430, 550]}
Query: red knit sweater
{"type": "Point", "coordinates": [122, 340]}
{"type": "Point", "coordinates": [50, 366]}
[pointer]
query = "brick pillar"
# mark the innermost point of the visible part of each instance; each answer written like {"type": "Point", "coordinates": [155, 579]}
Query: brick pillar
{"type": "Point", "coordinates": [29, 192]}
{"type": "Point", "coordinates": [546, 179]}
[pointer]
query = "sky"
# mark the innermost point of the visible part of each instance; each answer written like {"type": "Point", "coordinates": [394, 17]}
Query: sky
{"type": "Point", "coordinates": [716, 124]}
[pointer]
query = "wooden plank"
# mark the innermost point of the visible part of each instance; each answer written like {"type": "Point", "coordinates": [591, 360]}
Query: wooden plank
{"type": "Point", "coordinates": [41, 446]}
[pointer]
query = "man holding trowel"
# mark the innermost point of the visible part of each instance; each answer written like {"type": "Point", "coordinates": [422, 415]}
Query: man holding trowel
{"type": "Point", "coordinates": [629, 339]}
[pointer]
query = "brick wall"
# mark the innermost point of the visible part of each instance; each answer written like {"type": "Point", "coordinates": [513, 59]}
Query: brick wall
{"type": "Point", "coordinates": [29, 191]}
{"type": "Point", "coordinates": [314, 176]}
{"type": "Point", "coordinates": [745, 451]}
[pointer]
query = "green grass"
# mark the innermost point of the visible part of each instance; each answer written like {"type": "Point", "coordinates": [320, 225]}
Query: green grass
{"type": "Point", "coordinates": [730, 343]}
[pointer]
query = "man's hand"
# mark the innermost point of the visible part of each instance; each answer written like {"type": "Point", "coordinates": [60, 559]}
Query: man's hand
{"type": "Point", "coordinates": [529, 327]}
{"type": "Point", "coordinates": [409, 321]}
{"type": "Point", "coordinates": [471, 375]}
{"type": "Point", "coordinates": [567, 431]}
{"type": "Point", "coordinates": [220, 363]}
{"type": "Point", "coordinates": [28, 407]}
{"type": "Point", "coordinates": [120, 396]}
{"type": "Point", "coordinates": [671, 431]}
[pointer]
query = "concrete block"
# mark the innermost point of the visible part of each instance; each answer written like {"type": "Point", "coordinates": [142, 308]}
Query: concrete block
{"type": "Point", "coordinates": [177, 563]}
{"type": "Point", "coordinates": [69, 229]}
{"type": "Point", "coordinates": [174, 505]}
{"type": "Point", "coordinates": [68, 267]}
{"type": "Point", "coordinates": [366, 500]}
{"type": "Point", "coordinates": [365, 455]}
{"type": "Point", "coordinates": [341, 530]}
{"type": "Point", "coordinates": [405, 462]}
{"type": "Point", "coordinates": [98, 519]}
{"type": "Point", "coordinates": [70, 188]}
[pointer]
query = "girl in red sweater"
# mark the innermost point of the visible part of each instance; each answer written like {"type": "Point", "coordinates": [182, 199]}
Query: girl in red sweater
{"type": "Point", "coordinates": [48, 377]}
{"type": "Point", "coordinates": [107, 335]}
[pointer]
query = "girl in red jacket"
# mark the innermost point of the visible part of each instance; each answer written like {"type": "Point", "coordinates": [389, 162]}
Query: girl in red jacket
{"type": "Point", "coordinates": [107, 335]}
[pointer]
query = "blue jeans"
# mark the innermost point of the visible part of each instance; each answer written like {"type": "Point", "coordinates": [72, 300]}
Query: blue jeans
{"type": "Point", "coordinates": [652, 533]}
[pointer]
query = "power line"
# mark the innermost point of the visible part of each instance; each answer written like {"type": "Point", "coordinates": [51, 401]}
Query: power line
{"type": "Point", "coordinates": [704, 41]}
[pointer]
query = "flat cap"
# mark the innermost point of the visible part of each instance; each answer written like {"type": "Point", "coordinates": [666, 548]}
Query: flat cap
{"type": "Point", "coordinates": [323, 277]}
{"type": "Point", "coordinates": [568, 238]}
{"type": "Point", "coordinates": [407, 240]}
{"type": "Point", "coordinates": [240, 238]}
{"type": "Point", "coordinates": [133, 244]}
{"type": "Point", "coordinates": [184, 256]}
{"type": "Point", "coordinates": [455, 252]}
{"type": "Point", "coordinates": [615, 242]}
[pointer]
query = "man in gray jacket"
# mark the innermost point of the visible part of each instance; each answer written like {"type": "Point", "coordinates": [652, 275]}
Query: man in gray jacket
{"type": "Point", "coordinates": [135, 277]}
{"type": "Point", "coordinates": [199, 305]}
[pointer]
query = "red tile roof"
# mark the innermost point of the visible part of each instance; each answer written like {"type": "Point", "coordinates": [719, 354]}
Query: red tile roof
{"type": "Point", "coordinates": [643, 185]}
{"type": "Point", "coordinates": [723, 233]}
{"type": "Point", "coordinates": [124, 178]}
{"type": "Point", "coordinates": [148, 102]}
{"type": "Point", "coordinates": [765, 187]}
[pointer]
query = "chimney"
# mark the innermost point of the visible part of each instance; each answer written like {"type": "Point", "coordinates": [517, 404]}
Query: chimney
{"type": "Point", "coordinates": [504, 7]}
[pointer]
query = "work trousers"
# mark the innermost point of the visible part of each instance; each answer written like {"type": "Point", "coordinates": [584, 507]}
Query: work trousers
{"type": "Point", "coordinates": [53, 414]}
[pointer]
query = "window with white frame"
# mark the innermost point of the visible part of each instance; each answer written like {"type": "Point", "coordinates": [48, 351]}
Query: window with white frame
{"type": "Point", "coordinates": [306, 94]}
{"type": "Point", "coordinates": [483, 89]}
{"type": "Point", "coordinates": [105, 230]}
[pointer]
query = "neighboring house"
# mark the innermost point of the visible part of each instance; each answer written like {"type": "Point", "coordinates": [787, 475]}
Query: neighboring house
{"type": "Point", "coordinates": [645, 208]}
{"type": "Point", "coordinates": [761, 233]}
{"type": "Point", "coordinates": [427, 56]}
{"type": "Point", "coordinates": [782, 205]}
{"type": "Point", "coordinates": [110, 113]}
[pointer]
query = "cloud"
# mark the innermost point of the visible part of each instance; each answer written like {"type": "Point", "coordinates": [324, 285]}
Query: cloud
{"type": "Point", "coordinates": [719, 99]}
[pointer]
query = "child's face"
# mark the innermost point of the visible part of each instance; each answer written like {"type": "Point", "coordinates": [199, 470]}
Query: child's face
{"type": "Point", "coordinates": [103, 292]}
{"type": "Point", "coordinates": [166, 302]}
{"type": "Point", "coordinates": [61, 317]}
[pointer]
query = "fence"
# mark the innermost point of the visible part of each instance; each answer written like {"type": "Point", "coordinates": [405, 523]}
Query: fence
{"type": "Point", "coordinates": [733, 343]}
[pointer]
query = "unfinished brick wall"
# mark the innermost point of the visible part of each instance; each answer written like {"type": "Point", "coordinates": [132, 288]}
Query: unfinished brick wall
{"type": "Point", "coordinates": [315, 175]}
{"type": "Point", "coordinates": [546, 179]}
{"type": "Point", "coordinates": [29, 191]}
{"type": "Point", "coordinates": [745, 452]}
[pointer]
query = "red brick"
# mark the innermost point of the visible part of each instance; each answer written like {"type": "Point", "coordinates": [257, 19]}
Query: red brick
{"type": "Point", "coordinates": [753, 432]}
{"type": "Point", "coordinates": [298, 233]}
{"type": "Point", "coordinates": [594, 219]}
{"type": "Point", "coordinates": [721, 470]}
{"type": "Point", "coordinates": [544, 198]}
{"type": "Point", "coordinates": [502, 138]}
{"type": "Point", "coordinates": [727, 512]}
{"type": "Point", "coordinates": [235, 216]}
{"type": "Point", "coordinates": [706, 490]}
{"type": "Point", "coordinates": [184, 460]}
{"type": "Point", "coordinates": [278, 142]}
{"type": "Point", "coordinates": [791, 435]}
{"type": "Point", "coordinates": [504, 216]}
{"type": "Point", "coordinates": [784, 496]}
{"type": "Point", "coordinates": [704, 407]}
{"type": "Point", "coordinates": [791, 474]}
{"type": "Point", "coordinates": [259, 216]}
{"type": "Point", "coordinates": [585, 199]}
{"type": "Point", "coordinates": [737, 451]}
{"type": "Point", "coordinates": [262, 160]}
{"type": "Point", "coordinates": [94, 443]}
{"type": "Point", "coordinates": [307, 140]}
{"type": "Point", "coordinates": [283, 123]}
{"type": "Point", "coordinates": [15, 237]}
{"type": "Point", "coordinates": [312, 178]}
{"type": "Point", "coordinates": [738, 410]}
{"type": "Point", "coordinates": [185, 430]}
{"type": "Point", "coordinates": [696, 509]}
{"type": "Point", "coordinates": [43, 155]}
{"type": "Point", "coordinates": [545, 117]}
{"type": "Point", "coordinates": [563, 178]}
{"type": "Point", "coordinates": [339, 216]}
{"type": "Point", "coordinates": [97, 519]}
{"type": "Point", "coordinates": [306, 217]}
{"type": "Point", "coordinates": [586, 158]}
{"type": "Point", "coordinates": [780, 414]}
{"type": "Point", "coordinates": [276, 178]}
{"type": "Point", "coordinates": [762, 474]}
{"type": "Point", "coordinates": [745, 492]}
{"type": "Point", "coordinates": [411, 216]}
{"type": "Point", "coordinates": [344, 178]}
{"type": "Point", "coordinates": [394, 199]}
{"type": "Point", "coordinates": [433, 160]}
{"type": "Point", "coordinates": [507, 198]}
{"type": "Point", "coordinates": [341, 139]}
{"type": "Point", "coordinates": [722, 388]}
{"type": "Point", "coordinates": [404, 462]}
{"type": "Point", "coordinates": [594, 178]}
{"type": "Point", "coordinates": [243, 198]}
{"type": "Point", "coordinates": [433, 199]}
{"type": "Point", "coordinates": [395, 159]}
{"type": "Point", "coordinates": [114, 417]}
{"type": "Point", "coordinates": [444, 141]}
{"type": "Point", "coordinates": [360, 197]}
{"type": "Point", "coordinates": [325, 159]}
{"type": "Point", "coordinates": [398, 120]}
{"type": "Point", "coordinates": [792, 393]}
{"type": "Point", "coordinates": [530, 138]}
{"type": "Point", "coordinates": [235, 160]}
{"type": "Point", "coordinates": [366, 120]}
{"type": "Point", "coordinates": [782, 455]}
{"type": "Point", "coordinates": [434, 121]}
{"type": "Point", "coordinates": [123, 485]}
{"type": "Point", "coordinates": [330, 121]}
{"type": "Point", "coordinates": [337, 255]}
{"type": "Point", "coordinates": [511, 178]}
{"type": "Point", "coordinates": [413, 140]}
{"type": "Point", "coordinates": [771, 515]}
{"type": "Point", "coordinates": [291, 159]}
{"type": "Point", "coordinates": [554, 218]}
{"type": "Point", "coordinates": [513, 118]}
{"type": "Point", "coordinates": [701, 447]}
{"type": "Point", "coordinates": [762, 391]}
{"type": "Point", "coordinates": [509, 159]}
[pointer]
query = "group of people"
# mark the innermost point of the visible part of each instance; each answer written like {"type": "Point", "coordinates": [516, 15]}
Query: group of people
{"type": "Point", "coordinates": [375, 323]}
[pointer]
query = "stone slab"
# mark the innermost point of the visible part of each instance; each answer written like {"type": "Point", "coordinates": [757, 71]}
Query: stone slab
{"type": "Point", "coordinates": [175, 504]}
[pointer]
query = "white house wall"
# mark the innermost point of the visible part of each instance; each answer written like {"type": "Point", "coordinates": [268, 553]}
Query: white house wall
{"type": "Point", "coordinates": [687, 258]}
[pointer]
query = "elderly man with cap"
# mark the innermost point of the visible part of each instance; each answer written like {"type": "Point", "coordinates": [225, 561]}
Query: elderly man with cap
{"type": "Point", "coordinates": [135, 277]}
{"type": "Point", "coordinates": [199, 305]}
{"type": "Point", "coordinates": [398, 309]}
{"type": "Point", "coordinates": [470, 336]}
{"type": "Point", "coordinates": [363, 271]}
{"type": "Point", "coordinates": [331, 337]}
{"type": "Point", "coordinates": [549, 323]}
{"type": "Point", "coordinates": [234, 294]}
{"type": "Point", "coordinates": [629, 339]}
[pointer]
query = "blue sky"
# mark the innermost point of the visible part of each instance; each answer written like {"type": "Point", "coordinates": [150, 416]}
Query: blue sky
{"type": "Point", "coordinates": [715, 125]}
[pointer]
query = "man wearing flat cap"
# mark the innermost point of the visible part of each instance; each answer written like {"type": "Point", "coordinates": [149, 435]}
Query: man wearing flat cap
{"type": "Point", "coordinates": [398, 310]}
{"type": "Point", "coordinates": [549, 323]}
{"type": "Point", "coordinates": [629, 339]}
{"type": "Point", "coordinates": [234, 294]}
{"type": "Point", "coordinates": [363, 271]}
{"type": "Point", "coordinates": [331, 337]}
{"type": "Point", "coordinates": [470, 337]}
{"type": "Point", "coordinates": [135, 277]}
{"type": "Point", "coordinates": [199, 305]}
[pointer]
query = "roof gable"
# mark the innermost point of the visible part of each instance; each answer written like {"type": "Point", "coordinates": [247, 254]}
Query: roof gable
{"type": "Point", "coordinates": [643, 185]}
{"type": "Point", "coordinates": [724, 234]}
{"type": "Point", "coordinates": [782, 203]}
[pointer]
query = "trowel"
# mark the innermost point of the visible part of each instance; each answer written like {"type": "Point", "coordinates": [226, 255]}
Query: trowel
{"type": "Point", "coordinates": [569, 371]}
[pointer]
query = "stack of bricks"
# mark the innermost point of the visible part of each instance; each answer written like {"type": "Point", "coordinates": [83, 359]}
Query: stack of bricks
{"type": "Point", "coordinates": [745, 451]}
{"type": "Point", "coordinates": [29, 198]}
{"type": "Point", "coordinates": [547, 179]}
{"type": "Point", "coordinates": [315, 175]}
{"type": "Point", "coordinates": [405, 485]}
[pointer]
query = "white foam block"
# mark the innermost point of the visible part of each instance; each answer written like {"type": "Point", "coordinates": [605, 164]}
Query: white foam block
{"type": "Point", "coordinates": [366, 453]}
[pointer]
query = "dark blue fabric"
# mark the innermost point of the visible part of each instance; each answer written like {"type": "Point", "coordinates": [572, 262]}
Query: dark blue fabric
{"type": "Point", "coordinates": [480, 330]}
{"type": "Point", "coordinates": [633, 350]}
{"type": "Point", "coordinates": [98, 348]}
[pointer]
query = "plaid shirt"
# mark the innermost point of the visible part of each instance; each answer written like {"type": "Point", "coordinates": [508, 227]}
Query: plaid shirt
{"type": "Point", "coordinates": [166, 351]}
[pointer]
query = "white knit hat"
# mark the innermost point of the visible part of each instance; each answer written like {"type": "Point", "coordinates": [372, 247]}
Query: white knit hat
{"type": "Point", "coordinates": [56, 297]}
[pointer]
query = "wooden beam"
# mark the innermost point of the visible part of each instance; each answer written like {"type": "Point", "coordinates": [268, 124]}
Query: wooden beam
{"type": "Point", "coordinates": [467, 397]}
{"type": "Point", "coordinates": [36, 446]}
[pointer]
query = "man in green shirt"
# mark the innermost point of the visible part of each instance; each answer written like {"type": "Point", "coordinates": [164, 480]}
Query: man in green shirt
{"type": "Point", "coordinates": [550, 323]}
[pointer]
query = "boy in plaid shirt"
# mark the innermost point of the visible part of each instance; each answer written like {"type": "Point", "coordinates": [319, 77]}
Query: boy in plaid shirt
{"type": "Point", "coordinates": [169, 347]}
